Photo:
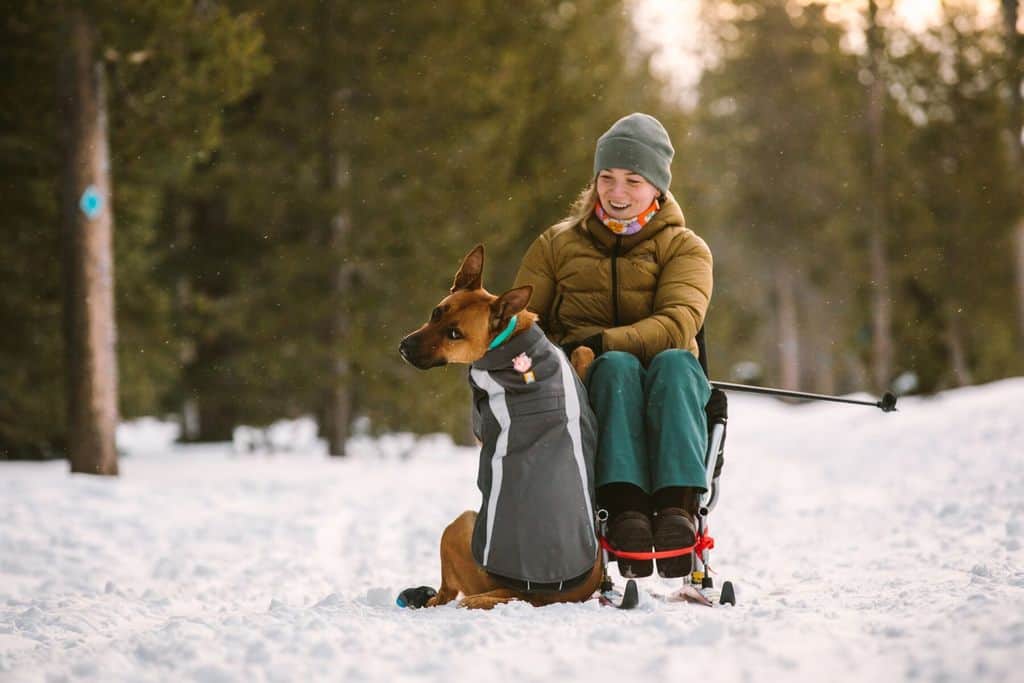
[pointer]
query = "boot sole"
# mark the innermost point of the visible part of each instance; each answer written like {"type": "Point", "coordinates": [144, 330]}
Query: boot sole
{"type": "Point", "coordinates": [674, 534]}
{"type": "Point", "coordinates": [634, 538]}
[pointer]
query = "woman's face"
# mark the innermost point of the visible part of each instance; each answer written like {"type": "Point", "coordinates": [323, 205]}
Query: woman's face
{"type": "Point", "coordinates": [623, 193]}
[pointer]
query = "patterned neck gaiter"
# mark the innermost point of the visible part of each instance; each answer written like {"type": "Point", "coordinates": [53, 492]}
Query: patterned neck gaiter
{"type": "Point", "coordinates": [627, 226]}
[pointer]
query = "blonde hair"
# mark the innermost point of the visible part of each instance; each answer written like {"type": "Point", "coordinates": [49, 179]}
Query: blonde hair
{"type": "Point", "coordinates": [581, 208]}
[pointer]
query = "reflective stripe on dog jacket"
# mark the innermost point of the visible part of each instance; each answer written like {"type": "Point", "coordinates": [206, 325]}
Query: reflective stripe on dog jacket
{"type": "Point", "coordinates": [536, 473]}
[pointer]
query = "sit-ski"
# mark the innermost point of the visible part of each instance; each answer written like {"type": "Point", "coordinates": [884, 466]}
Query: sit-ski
{"type": "Point", "coordinates": [698, 587]}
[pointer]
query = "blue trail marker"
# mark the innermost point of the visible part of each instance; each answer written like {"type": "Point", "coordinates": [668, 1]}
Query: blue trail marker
{"type": "Point", "coordinates": [91, 202]}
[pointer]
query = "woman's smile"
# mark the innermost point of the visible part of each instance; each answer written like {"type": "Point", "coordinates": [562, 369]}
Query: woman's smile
{"type": "Point", "coordinates": [624, 193]}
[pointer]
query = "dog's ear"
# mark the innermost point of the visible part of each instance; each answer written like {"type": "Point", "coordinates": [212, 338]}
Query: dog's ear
{"type": "Point", "coordinates": [508, 304]}
{"type": "Point", "coordinates": [471, 272]}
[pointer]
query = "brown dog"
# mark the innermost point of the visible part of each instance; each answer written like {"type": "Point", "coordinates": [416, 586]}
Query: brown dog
{"type": "Point", "coordinates": [460, 329]}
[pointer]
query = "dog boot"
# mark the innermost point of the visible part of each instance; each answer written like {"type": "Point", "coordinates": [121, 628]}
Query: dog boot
{"type": "Point", "coordinates": [415, 597]}
{"type": "Point", "coordinates": [631, 531]}
{"type": "Point", "coordinates": [674, 528]}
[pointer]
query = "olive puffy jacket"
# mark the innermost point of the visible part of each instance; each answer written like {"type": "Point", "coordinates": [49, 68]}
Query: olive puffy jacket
{"type": "Point", "coordinates": [648, 292]}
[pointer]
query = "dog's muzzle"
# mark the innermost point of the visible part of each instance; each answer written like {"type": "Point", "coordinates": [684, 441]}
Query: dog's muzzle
{"type": "Point", "coordinates": [411, 352]}
{"type": "Point", "coordinates": [406, 348]}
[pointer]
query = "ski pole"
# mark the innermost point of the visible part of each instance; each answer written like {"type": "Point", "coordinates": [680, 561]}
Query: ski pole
{"type": "Point", "coordinates": [887, 404]}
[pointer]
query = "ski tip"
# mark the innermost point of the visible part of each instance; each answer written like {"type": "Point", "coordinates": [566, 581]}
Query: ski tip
{"type": "Point", "coordinates": [728, 596]}
{"type": "Point", "coordinates": [627, 599]}
{"type": "Point", "coordinates": [631, 596]}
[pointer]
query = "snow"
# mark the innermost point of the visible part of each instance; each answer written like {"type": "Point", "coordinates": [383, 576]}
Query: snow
{"type": "Point", "coordinates": [862, 545]}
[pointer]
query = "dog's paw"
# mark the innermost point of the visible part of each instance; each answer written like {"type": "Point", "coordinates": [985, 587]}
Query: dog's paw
{"type": "Point", "coordinates": [581, 358]}
{"type": "Point", "coordinates": [483, 601]}
{"type": "Point", "coordinates": [416, 597]}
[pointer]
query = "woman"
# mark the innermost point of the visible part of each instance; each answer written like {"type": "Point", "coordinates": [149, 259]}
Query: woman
{"type": "Point", "coordinates": [624, 276]}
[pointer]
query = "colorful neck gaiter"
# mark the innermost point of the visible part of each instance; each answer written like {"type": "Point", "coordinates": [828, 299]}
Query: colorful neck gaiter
{"type": "Point", "coordinates": [628, 226]}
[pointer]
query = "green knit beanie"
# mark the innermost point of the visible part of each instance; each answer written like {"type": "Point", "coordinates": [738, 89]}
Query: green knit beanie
{"type": "Point", "coordinates": [639, 143]}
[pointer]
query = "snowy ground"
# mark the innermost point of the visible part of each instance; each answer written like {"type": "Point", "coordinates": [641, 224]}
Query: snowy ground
{"type": "Point", "coordinates": [863, 546]}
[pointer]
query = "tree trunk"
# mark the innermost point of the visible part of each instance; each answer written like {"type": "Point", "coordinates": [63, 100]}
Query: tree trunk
{"type": "Point", "coordinates": [87, 224]}
{"type": "Point", "coordinates": [339, 402]}
{"type": "Point", "coordinates": [1014, 49]}
{"type": "Point", "coordinates": [1019, 241]}
{"type": "Point", "coordinates": [788, 338]}
{"type": "Point", "coordinates": [342, 397]}
{"type": "Point", "coordinates": [881, 309]}
{"type": "Point", "coordinates": [957, 350]}
{"type": "Point", "coordinates": [824, 325]}
{"type": "Point", "coordinates": [190, 421]}
{"type": "Point", "coordinates": [190, 425]}
{"type": "Point", "coordinates": [881, 313]}
{"type": "Point", "coordinates": [339, 414]}
{"type": "Point", "coordinates": [818, 322]}
{"type": "Point", "coordinates": [335, 184]}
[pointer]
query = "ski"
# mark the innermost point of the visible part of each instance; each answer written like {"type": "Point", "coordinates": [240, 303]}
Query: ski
{"type": "Point", "coordinates": [627, 599]}
{"type": "Point", "coordinates": [687, 593]}
{"type": "Point", "coordinates": [695, 595]}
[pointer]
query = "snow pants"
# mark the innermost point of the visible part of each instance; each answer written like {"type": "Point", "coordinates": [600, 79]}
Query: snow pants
{"type": "Point", "coordinates": [652, 428]}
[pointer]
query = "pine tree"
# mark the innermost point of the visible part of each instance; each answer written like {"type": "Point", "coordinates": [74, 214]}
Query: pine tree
{"type": "Point", "coordinates": [1014, 45]}
{"type": "Point", "coordinates": [87, 218]}
{"type": "Point", "coordinates": [169, 68]}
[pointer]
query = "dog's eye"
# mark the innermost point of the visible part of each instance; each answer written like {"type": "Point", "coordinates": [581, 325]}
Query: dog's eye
{"type": "Point", "coordinates": [453, 333]}
{"type": "Point", "coordinates": [435, 315]}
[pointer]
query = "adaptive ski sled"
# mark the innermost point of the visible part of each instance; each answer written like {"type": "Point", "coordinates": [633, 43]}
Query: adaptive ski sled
{"type": "Point", "coordinates": [699, 586]}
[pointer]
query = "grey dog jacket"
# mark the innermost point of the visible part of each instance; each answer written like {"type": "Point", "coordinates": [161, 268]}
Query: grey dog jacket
{"type": "Point", "coordinates": [536, 520]}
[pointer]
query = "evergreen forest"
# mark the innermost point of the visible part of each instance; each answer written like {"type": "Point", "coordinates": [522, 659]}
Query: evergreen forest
{"type": "Point", "coordinates": [292, 186]}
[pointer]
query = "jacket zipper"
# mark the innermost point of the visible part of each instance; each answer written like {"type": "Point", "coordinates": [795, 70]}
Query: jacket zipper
{"type": "Point", "coordinates": [615, 281]}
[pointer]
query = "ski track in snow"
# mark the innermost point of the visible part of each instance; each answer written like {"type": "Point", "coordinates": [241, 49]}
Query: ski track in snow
{"type": "Point", "coordinates": [862, 545]}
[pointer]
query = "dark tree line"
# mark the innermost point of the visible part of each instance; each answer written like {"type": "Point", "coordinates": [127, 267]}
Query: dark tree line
{"type": "Point", "coordinates": [292, 183]}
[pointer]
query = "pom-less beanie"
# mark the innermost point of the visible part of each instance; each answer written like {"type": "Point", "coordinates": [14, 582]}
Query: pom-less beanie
{"type": "Point", "coordinates": [639, 143]}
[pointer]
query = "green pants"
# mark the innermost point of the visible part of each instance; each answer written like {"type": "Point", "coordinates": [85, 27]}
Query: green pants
{"type": "Point", "coordinates": [652, 429]}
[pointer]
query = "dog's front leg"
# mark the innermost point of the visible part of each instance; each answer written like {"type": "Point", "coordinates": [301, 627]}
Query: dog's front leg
{"type": "Point", "coordinates": [459, 571]}
{"type": "Point", "coordinates": [444, 595]}
{"type": "Point", "coordinates": [489, 599]}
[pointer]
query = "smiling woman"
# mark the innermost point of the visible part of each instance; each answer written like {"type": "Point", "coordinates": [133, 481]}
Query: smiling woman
{"type": "Point", "coordinates": [630, 199]}
{"type": "Point", "coordinates": [625, 277]}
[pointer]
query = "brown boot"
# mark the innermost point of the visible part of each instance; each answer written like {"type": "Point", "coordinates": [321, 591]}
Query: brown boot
{"type": "Point", "coordinates": [674, 528]}
{"type": "Point", "coordinates": [631, 531]}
